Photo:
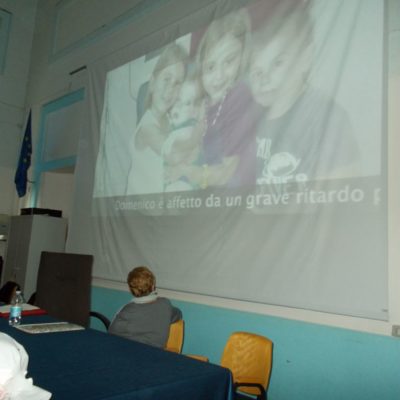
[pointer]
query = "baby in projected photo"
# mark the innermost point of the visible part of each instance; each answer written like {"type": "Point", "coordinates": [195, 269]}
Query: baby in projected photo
{"type": "Point", "coordinates": [187, 127]}
{"type": "Point", "coordinates": [304, 134]}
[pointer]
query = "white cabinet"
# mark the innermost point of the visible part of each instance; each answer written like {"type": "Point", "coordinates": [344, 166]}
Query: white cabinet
{"type": "Point", "coordinates": [30, 235]}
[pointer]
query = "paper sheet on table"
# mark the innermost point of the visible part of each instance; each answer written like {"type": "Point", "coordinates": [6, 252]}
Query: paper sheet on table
{"type": "Point", "coordinates": [27, 309]}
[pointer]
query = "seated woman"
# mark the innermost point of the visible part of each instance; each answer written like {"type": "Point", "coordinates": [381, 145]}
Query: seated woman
{"type": "Point", "coordinates": [147, 317]}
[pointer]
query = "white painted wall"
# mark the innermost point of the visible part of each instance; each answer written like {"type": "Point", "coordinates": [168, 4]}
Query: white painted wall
{"type": "Point", "coordinates": [49, 79]}
{"type": "Point", "coordinates": [13, 84]}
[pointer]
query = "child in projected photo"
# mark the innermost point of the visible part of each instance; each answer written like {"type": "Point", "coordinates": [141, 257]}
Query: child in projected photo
{"type": "Point", "coordinates": [182, 147]}
{"type": "Point", "coordinates": [147, 317]}
{"type": "Point", "coordinates": [304, 134]}
{"type": "Point", "coordinates": [228, 146]}
{"type": "Point", "coordinates": [146, 174]}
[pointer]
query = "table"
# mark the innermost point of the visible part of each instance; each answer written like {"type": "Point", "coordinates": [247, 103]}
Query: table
{"type": "Point", "coordinates": [90, 364]}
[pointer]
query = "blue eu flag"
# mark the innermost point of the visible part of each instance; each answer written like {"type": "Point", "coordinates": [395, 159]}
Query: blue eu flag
{"type": "Point", "coordinates": [21, 175]}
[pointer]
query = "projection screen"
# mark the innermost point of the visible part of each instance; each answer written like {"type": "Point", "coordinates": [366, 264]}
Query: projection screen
{"type": "Point", "coordinates": [241, 153]}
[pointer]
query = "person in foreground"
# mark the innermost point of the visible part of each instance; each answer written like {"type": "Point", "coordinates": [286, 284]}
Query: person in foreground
{"type": "Point", "coordinates": [14, 384]}
{"type": "Point", "coordinates": [147, 317]}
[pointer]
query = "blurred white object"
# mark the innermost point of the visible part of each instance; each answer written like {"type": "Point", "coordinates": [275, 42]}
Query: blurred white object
{"type": "Point", "coordinates": [13, 369]}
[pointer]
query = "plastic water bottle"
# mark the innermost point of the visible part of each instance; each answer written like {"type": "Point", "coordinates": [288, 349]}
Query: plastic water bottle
{"type": "Point", "coordinates": [16, 309]}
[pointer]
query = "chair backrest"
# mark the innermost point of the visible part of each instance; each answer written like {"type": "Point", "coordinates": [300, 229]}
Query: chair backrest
{"type": "Point", "coordinates": [249, 357]}
{"type": "Point", "coordinates": [64, 286]}
{"type": "Point", "coordinates": [175, 338]}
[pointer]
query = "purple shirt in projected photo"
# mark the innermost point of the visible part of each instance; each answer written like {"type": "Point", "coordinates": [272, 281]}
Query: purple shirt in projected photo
{"type": "Point", "coordinates": [231, 131]}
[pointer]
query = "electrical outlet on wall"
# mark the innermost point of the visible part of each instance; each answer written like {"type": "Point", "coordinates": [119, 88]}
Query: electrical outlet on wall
{"type": "Point", "coordinates": [396, 330]}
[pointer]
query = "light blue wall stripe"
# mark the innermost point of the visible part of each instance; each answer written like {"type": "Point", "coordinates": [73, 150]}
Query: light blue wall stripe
{"type": "Point", "coordinates": [41, 166]}
{"type": "Point", "coordinates": [311, 362]}
{"type": "Point", "coordinates": [58, 164]}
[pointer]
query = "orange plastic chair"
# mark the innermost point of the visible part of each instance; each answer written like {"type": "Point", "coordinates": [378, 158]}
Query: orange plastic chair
{"type": "Point", "coordinates": [249, 357]}
{"type": "Point", "coordinates": [175, 338]}
{"type": "Point", "coordinates": [198, 357]}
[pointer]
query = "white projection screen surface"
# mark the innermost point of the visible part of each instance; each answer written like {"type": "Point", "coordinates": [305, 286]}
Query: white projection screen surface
{"type": "Point", "coordinates": [245, 159]}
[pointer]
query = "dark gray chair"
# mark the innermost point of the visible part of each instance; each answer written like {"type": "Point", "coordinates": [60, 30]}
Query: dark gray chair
{"type": "Point", "coordinates": [64, 287]}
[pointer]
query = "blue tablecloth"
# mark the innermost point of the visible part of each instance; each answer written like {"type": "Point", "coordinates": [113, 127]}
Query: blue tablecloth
{"type": "Point", "coordinates": [89, 364]}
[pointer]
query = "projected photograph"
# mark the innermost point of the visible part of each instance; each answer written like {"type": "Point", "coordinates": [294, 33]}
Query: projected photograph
{"type": "Point", "coordinates": [241, 154]}
{"type": "Point", "coordinates": [265, 95]}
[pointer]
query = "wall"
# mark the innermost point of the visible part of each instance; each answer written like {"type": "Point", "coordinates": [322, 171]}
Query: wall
{"type": "Point", "coordinates": [57, 191]}
{"type": "Point", "coordinates": [13, 83]}
{"type": "Point", "coordinates": [311, 359]}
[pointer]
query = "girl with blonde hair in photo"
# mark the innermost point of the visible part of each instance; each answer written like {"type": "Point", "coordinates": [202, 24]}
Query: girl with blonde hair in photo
{"type": "Point", "coordinates": [228, 145]}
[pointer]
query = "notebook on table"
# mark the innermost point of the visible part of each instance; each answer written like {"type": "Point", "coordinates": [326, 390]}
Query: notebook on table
{"type": "Point", "coordinates": [49, 327]}
{"type": "Point", "coordinates": [27, 309]}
